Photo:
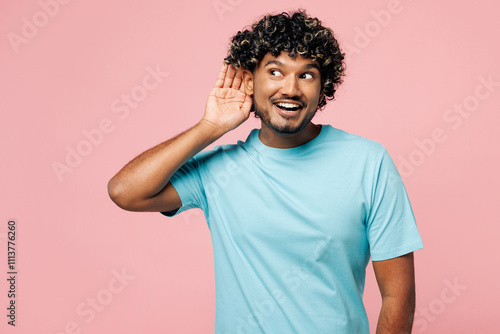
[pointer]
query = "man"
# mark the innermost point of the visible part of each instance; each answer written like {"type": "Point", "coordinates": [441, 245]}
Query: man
{"type": "Point", "coordinates": [301, 207]}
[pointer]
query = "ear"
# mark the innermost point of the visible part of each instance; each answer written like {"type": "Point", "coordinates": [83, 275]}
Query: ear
{"type": "Point", "coordinates": [248, 81]}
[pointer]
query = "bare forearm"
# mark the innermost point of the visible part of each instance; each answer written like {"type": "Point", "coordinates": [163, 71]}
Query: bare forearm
{"type": "Point", "coordinates": [142, 185]}
{"type": "Point", "coordinates": [396, 316]}
{"type": "Point", "coordinates": [147, 174]}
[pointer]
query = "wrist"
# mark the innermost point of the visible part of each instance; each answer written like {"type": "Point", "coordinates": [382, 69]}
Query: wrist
{"type": "Point", "coordinates": [210, 130]}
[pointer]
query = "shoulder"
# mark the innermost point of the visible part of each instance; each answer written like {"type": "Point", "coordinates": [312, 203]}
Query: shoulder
{"type": "Point", "coordinates": [219, 153]}
{"type": "Point", "coordinates": [232, 150]}
{"type": "Point", "coordinates": [353, 144]}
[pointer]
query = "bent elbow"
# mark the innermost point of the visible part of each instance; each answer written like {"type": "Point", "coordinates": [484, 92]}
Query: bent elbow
{"type": "Point", "coordinates": [118, 194]}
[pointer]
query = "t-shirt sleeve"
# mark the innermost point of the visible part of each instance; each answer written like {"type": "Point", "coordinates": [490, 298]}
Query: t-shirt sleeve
{"type": "Point", "coordinates": [188, 183]}
{"type": "Point", "coordinates": [392, 229]}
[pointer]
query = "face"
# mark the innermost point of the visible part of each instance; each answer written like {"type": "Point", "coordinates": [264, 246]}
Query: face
{"type": "Point", "coordinates": [286, 92]}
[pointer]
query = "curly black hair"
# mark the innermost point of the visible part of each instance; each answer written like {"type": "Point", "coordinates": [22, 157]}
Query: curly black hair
{"type": "Point", "coordinates": [296, 33]}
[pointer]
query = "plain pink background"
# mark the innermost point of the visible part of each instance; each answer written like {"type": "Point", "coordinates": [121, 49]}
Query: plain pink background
{"type": "Point", "coordinates": [412, 66]}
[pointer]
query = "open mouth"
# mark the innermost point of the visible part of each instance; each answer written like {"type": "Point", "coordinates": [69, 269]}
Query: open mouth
{"type": "Point", "coordinates": [288, 107]}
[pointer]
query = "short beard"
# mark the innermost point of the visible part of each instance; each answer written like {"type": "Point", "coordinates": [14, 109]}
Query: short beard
{"type": "Point", "coordinates": [287, 129]}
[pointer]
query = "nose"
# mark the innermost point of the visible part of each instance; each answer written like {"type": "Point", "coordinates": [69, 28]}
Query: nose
{"type": "Point", "coordinates": [290, 86]}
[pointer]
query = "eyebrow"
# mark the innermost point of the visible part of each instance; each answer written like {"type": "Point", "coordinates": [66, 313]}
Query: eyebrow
{"type": "Point", "coordinates": [278, 63]}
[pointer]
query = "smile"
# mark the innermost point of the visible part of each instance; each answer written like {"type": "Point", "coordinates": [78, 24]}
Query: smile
{"type": "Point", "coordinates": [288, 108]}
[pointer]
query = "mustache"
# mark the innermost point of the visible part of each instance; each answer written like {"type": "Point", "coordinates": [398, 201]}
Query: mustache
{"type": "Point", "coordinates": [286, 97]}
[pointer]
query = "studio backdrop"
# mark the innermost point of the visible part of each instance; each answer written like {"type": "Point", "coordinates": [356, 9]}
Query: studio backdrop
{"type": "Point", "coordinates": [85, 86]}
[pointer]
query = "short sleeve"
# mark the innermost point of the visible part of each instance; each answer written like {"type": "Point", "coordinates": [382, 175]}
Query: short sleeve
{"type": "Point", "coordinates": [391, 226]}
{"type": "Point", "coordinates": [188, 183]}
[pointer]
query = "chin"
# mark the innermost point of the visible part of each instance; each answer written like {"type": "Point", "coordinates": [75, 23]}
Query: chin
{"type": "Point", "coordinates": [287, 129]}
{"type": "Point", "coordinates": [283, 126]}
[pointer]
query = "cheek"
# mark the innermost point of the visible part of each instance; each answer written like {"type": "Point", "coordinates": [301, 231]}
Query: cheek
{"type": "Point", "coordinates": [313, 96]}
{"type": "Point", "coordinates": [316, 93]}
{"type": "Point", "coordinates": [263, 91]}
{"type": "Point", "coordinates": [265, 84]}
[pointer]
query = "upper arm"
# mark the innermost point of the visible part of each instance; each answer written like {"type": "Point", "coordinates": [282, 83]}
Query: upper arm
{"type": "Point", "coordinates": [390, 222]}
{"type": "Point", "coordinates": [166, 200]}
{"type": "Point", "coordinates": [396, 277]}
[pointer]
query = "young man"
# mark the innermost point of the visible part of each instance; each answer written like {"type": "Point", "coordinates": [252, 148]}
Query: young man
{"type": "Point", "coordinates": [302, 207]}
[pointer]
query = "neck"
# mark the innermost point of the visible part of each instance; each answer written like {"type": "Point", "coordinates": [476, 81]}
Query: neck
{"type": "Point", "coordinates": [284, 140]}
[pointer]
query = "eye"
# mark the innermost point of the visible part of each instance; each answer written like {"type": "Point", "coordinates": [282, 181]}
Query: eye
{"type": "Point", "coordinates": [275, 73]}
{"type": "Point", "coordinates": [308, 76]}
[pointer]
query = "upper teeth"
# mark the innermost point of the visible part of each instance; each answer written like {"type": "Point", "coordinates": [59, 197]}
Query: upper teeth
{"type": "Point", "coordinates": [287, 105]}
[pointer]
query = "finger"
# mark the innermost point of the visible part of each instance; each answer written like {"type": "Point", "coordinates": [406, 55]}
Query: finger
{"type": "Point", "coordinates": [238, 79]}
{"type": "Point", "coordinates": [242, 87]}
{"type": "Point", "coordinates": [230, 74]}
{"type": "Point", "coordinates": [220, 78]}
{"type": "Point", "coordinates": [247, 105]}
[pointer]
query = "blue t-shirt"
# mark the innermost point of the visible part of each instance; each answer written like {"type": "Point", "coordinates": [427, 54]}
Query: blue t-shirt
{"type": "Point", "coordinates": [293, 229]}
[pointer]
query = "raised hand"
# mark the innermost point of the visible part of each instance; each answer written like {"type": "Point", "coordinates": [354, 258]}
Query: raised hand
{"type": "Point", "coordinates": [228, 105]}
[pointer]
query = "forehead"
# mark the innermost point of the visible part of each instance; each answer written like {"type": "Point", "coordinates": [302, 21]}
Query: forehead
{"type": "Point", "coordinates": [284, 60]}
